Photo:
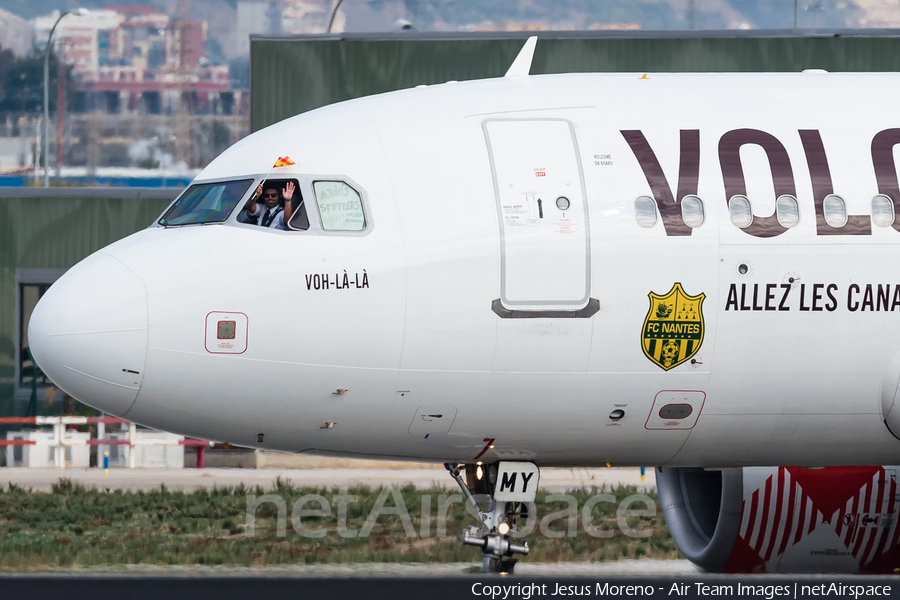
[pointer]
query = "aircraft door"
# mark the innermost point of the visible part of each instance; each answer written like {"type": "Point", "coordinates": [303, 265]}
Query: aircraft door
{"type": "Point", "coordinates": [545, 254]}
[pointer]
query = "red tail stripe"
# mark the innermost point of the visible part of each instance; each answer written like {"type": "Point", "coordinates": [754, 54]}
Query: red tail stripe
{"type": "Point", "coordinates": [777, 525]}
{"type": "Point", "coordinates": [789, 519]}
{"type": "Point", "coordinates": [895, 536]}
{"type": "Point", "coordinates": [801, 518]}
{"type": "Point", "coordinates": [813, 517]}
{"type": "Point", "coordinates": [866, 555]}
{"type": "Point", "coordinates": [864, 506]}
{"type": "Point", "coordinates": [754, 507]}
{"type": "Point", "coordinates": [852, 527]}
{"type": "Point", "coordinates": [764, 521]}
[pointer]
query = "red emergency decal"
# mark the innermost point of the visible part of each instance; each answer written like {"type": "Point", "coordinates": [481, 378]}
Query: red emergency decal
{"type": "Point", "coordinates": [226, 332]}
{"type": "Point", "coordinates": [542, 172]}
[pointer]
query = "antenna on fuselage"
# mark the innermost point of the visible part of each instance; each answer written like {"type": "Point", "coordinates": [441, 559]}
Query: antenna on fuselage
{"type": "Point", "coordinates": [522, 65]}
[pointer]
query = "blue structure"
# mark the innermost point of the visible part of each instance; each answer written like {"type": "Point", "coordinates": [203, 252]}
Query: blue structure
{"type": "Point", "coordinates": [98, 180]}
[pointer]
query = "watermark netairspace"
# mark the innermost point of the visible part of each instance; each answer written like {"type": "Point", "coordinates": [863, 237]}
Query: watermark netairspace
{"type": "Point", "coordinates": [526, 591]}
{"type": "Point", "coordinates": [390, 502]}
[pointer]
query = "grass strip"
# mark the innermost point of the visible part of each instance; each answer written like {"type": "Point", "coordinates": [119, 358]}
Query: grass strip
{"type": "Point", "coordinates": [73, 526]}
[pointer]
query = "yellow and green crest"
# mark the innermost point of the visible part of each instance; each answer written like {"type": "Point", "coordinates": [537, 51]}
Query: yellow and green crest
{"type": "Point", "coordinates": [673, 328]}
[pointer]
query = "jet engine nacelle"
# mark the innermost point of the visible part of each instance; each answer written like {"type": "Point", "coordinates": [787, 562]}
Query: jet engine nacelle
{"type": "Point", "coordinates": [784, 519]}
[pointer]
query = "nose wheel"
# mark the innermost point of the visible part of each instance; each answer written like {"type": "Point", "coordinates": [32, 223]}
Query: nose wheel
{"type": "Point", "coordinates": [496, 524]}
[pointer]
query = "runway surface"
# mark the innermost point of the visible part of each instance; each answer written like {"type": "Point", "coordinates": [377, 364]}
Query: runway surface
{"type": "Point", "coordinates": [554, 480]}
{"type": "Point", "coordinates": [116, 587]}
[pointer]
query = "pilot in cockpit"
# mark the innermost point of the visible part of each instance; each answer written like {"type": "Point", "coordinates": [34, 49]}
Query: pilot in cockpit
{"type": "Point", "coordinates": [275, 213]}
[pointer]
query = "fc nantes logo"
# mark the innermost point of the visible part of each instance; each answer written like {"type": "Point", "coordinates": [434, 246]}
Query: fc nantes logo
{"type": "Point", "coordinates": [673, 328]}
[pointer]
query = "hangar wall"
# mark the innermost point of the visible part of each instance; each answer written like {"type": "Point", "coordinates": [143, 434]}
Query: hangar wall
{"type": "Point", "coordinates": [293, 75]}
{"type": "Point", "coordinates": [43, 233]}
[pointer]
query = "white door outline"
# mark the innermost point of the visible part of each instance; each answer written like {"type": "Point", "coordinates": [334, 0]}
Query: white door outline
{"type": "Point", "coordinates": [545, 261]}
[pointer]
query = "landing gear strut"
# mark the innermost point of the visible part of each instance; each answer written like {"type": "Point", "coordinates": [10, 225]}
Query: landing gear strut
{"type": "Point", "coordinates": [496, 524]}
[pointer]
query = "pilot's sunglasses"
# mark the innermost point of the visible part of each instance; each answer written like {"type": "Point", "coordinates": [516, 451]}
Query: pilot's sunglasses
{"type": "Point", "coordinates": [270, 195]}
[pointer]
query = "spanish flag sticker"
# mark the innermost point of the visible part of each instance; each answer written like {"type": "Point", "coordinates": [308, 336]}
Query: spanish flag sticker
{"type": "Point", "coordinates": [283, 161]}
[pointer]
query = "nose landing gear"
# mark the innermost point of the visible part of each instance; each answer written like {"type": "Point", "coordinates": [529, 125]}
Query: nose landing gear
{"type": "Point", "coordinates": [510, 486]}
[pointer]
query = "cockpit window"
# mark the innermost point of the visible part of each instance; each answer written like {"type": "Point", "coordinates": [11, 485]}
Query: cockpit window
{"type": "Point", "coordinates": [340, 206]}
{"type": "Point", "coordinates": [206, 203]}
{"type": "Point", "coordinates": [276, 204]}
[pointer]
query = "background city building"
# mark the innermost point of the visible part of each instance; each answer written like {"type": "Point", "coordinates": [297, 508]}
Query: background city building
{"type": "Point", "coordinates": [16, 33]}
{"type": "Point", "coordinates": [161, 87]}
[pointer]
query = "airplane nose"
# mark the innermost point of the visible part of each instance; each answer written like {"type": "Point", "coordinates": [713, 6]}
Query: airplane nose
{"type": "Point", "coordinates": [88, 333]}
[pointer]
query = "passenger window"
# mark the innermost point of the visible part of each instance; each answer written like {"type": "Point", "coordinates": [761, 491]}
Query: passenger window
{"type": "Point", "coordinates": [692, 211]}
{"type": "Point", "coordinates": [645, 211]}
{"type": "Point", "coordinates": [340, 206]}
{"type": "Point", "coordinates": [741, 215]}
{"type": "Point", "coordinates": [882, 211]}
{"type": "Point", "coordinates": [787, 211]}
{"type": "Point", "coordinates": [835, 210]}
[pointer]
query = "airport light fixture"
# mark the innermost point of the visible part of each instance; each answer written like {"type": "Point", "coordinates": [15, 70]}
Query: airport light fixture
{"type": "Point", "coordinates": [333, 15]}
{"type": "Point", "coordinates": [78, 12]}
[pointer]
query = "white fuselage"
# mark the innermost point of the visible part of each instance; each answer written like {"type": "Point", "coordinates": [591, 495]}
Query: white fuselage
{"type": "Point", "coordinates": [441, 169]}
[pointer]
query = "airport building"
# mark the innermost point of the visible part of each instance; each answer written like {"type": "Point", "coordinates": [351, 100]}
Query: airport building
{"type": "Point", "coordinates": [44, 232]}
{"type": "Point", "coordinates": [297, 74]}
